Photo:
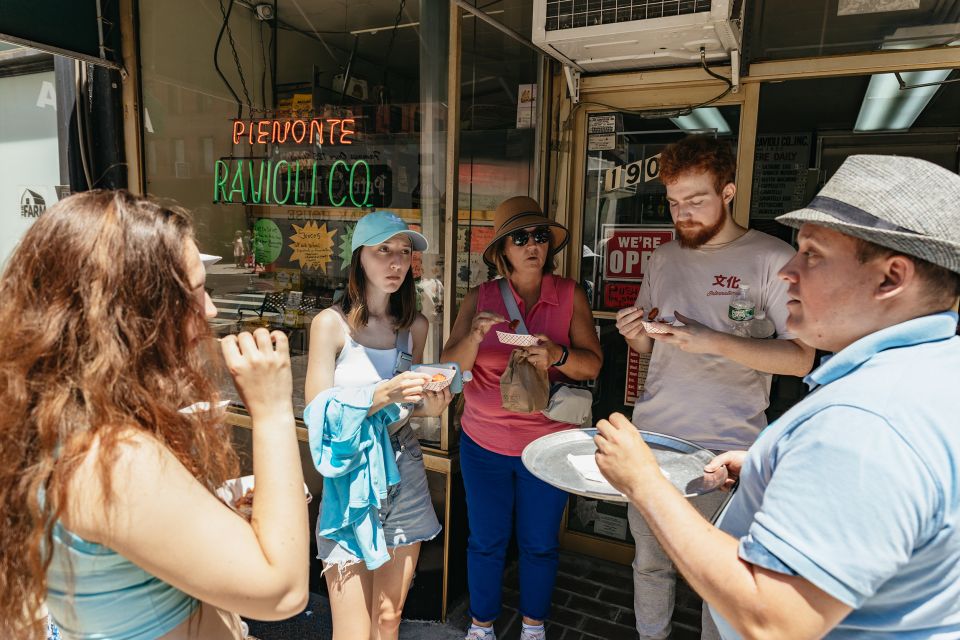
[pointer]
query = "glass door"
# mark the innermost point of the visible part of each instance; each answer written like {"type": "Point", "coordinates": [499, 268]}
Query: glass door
{"type": "Point", "coordinates": [625, 218]}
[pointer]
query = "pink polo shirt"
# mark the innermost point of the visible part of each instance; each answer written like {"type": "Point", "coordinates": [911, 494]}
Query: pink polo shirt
{"type": "Point", "coordinates": [484, 419]}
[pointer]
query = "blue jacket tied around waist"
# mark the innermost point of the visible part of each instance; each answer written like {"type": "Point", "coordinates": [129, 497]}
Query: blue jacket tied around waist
{"type": "Point", "coordinates": [352, 452]}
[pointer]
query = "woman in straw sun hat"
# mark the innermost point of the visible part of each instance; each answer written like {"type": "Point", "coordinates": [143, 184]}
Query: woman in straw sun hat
{"type": "Point", "coordinates": [499, 489]}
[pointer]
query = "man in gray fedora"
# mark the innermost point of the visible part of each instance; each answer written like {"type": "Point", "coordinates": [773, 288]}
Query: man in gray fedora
{"type": "Point", "coordinates": [846, 523]}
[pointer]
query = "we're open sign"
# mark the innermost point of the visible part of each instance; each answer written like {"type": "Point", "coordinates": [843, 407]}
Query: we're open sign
{"type": "Point", "coordinates": [626, 250]}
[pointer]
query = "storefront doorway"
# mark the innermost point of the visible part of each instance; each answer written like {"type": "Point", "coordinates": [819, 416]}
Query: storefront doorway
{"type": "Point", "coordinates": [619, 215]}
{"type": "Point", "coordinates": [791, 130]}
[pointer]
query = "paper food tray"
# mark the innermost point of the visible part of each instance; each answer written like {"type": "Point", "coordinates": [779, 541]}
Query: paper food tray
{"type": "Point", "coordinates": [660, 327]}
{"type": "Point", "coordinates": [232, 490]}
{"type": "Point", "coordinates": [436, 386]}
{"type": "Point", "coordinates": [517, 339]}
{"type": "Point", "coordinates": [203, 406]}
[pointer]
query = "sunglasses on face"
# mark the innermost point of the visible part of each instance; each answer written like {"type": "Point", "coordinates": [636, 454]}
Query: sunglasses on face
{"type": "Point", "coordinates": [541, 235]}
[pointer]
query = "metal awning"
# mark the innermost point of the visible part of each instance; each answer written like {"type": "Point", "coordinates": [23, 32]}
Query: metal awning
{"type": "Point", "coordinates": [87, 30]}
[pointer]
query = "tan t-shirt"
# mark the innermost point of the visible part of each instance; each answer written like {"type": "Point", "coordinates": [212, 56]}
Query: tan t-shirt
{"type": "Point", "coordinates": [707, 399]}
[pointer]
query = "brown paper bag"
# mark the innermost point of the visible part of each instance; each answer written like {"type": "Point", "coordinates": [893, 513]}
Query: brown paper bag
{"type": "Point", "coordinates": [523, 387]}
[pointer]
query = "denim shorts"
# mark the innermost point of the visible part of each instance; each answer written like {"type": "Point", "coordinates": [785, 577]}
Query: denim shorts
{"type": "Point", "coordinates": [406, 515]}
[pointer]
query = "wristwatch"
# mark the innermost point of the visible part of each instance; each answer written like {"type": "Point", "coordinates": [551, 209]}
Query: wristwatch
{"type": "Point", "coordinates": [563, 357]}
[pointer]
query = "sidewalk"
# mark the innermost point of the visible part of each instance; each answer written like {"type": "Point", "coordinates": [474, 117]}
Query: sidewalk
{"type": "Point", "coordinates": [314, 624]}
{"type": "Point", "coordinates": [593, 600]}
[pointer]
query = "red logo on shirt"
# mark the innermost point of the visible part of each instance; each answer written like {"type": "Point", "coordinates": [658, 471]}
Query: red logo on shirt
{"type": "Point", "coordinates": [731, 282]}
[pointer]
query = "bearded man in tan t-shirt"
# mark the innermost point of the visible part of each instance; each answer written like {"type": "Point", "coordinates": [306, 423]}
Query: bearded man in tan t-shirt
{"type": "Point", "coordinates": [704, 384]}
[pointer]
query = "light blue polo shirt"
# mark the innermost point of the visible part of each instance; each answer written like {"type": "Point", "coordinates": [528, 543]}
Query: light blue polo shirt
{"type": "Point", "coordinates": [857, 487]}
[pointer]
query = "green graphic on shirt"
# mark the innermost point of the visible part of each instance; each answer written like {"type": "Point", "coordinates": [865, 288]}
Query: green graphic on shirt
{"type": "Point", "coordinates": [267, 241]}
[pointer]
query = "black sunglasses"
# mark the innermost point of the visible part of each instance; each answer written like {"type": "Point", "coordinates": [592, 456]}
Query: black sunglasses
{"type": "Point", "coordinates": [541, 235]}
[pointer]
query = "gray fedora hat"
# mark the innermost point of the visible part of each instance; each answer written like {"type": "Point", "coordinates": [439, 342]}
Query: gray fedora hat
{"type": "Point", "coordinates": [909, 205]}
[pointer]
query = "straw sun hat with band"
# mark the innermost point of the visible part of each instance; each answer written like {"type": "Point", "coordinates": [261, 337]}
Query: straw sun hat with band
{"type": "Point", "coordinates": [522, 212]}
{"type": "Point", "coordinates": [909, 205]}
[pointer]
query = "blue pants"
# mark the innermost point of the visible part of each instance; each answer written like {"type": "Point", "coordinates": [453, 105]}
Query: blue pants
{"type": "Point", "coordinates": [499, 488]}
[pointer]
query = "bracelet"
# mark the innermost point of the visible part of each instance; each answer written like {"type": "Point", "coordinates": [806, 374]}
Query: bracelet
{"type": "Point", "coordinates": [563, 357]}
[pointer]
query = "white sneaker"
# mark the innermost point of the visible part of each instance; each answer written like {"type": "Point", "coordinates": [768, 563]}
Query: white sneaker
{"type": "Point", "coordinates": [536, 633]}
{"type": "Point", "coordinates": [478, 633]}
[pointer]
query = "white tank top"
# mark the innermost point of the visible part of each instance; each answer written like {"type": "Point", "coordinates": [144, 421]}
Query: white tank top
{"type": "Point", "coordinates": [357, 365]}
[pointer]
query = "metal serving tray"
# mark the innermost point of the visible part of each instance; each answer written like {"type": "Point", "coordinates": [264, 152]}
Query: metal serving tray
{"type": "Point", "coordinates": [683, 462]}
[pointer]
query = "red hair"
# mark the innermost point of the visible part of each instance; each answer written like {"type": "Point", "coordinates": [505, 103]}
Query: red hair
{"type": "Point", "coordinates": [699, 154]}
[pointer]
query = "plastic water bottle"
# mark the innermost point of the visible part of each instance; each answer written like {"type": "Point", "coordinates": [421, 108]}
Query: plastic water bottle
{"type": "Point", "coordinates": [762, 326]}
{"type": "Point", "coordinates": [741, 311]}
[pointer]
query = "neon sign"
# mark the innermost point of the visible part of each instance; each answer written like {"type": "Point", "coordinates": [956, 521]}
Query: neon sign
{"type": "Point", "coordinates": [303, 183]}
{"type": "Point", "coordinates": [319, 130]}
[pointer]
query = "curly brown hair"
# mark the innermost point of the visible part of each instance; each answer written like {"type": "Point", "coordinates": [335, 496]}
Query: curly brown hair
{"type": "Point", "coordinates": [699, 154]}
{"type": "Point", "coordinates": [96, 303]}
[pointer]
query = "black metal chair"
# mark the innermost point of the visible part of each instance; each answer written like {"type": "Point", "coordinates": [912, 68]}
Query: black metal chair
{"type": "Point", "coordinates": [276, 302]}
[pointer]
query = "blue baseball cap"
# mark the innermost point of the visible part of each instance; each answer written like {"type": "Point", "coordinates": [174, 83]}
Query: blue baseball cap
{"type": "Point", "coordinates": [380, 226]}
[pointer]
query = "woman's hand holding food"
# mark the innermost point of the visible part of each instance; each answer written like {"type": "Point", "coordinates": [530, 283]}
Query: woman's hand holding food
{"type": "Point", "coordinates": [260, 366]}
{"type": "Point", "coordinates": [543, 354]}
{"type": "Point", "coordinates": [403, 387]}
{"type": "Point", "coordinates": [434, 402]}
{"type": "Point", "coordinates": [630, 322]}
{"type": "Point", "coordinates": [481, 325]}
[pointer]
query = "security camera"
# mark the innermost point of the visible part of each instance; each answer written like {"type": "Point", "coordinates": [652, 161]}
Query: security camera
{"type": "Point", "coordinates": [264, 11]}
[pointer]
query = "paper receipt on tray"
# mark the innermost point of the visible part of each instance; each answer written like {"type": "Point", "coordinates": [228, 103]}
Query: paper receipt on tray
{"type": "Point", "coordinates": [586, 466]}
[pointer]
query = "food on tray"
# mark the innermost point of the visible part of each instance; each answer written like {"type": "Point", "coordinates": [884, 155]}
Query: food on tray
{"type": "Point", "coordinates": [439, 377]}
{"type": "Point", "coordinates": [244, 504]}
{"type": "Point", "coordinates": [511, 337]}
{"type": "Point", "coordinates": [655, 323]}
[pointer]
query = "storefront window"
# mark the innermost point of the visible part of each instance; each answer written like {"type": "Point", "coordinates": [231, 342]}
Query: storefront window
{"type": "Point", "coordinates": [30, 176]}
{"type": "Point", "coordinates": [782, 29]}
{"type": "Point", "coordinates": [302, 124]}
{"type": "Point", "coordinates": [626, 217]}
{"type": "Point", "coordinates": [625, 207]}
{"type": "Point", "coordinates": [802, 139]}
{"type": "Point", "coordinates": [499, 108]}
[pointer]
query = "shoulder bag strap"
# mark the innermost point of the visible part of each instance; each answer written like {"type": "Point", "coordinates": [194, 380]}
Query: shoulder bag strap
{"type": "Point", "coordinates": [403, 340]}
{"type": "Point", "coordinates": [512, 310]}
{"type": "Point", "coordinates": [404, 352]}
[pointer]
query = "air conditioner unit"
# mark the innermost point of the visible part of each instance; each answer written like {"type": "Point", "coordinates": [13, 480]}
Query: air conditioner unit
{"type": "Point", "coordinates": [618, 35]}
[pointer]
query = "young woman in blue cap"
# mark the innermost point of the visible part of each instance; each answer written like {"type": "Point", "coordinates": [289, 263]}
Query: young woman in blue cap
{"type": "Point", "coordinates": [376, 508]}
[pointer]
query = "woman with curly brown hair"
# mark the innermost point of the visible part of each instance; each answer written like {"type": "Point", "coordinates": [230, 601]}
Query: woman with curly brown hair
{"type": "Point", "coordinates": [106, 487]}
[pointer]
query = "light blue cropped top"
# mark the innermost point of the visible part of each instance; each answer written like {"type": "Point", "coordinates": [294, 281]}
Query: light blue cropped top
{"type": "Point", "coordinates": [94, 593]}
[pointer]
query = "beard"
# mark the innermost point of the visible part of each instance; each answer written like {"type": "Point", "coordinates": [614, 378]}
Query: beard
{"type": "Point", "coordinates": [694, 235]}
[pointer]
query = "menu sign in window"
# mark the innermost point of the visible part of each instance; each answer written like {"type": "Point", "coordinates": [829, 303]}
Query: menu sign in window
{"type": "Point", "coordinates": [779, 173]}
